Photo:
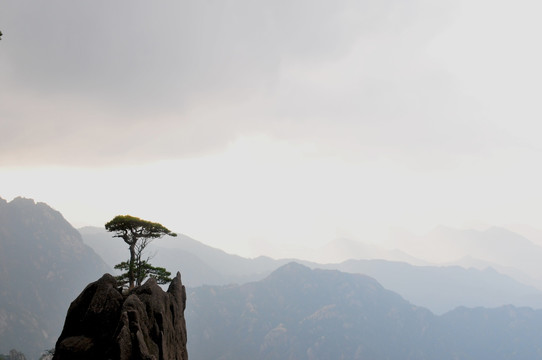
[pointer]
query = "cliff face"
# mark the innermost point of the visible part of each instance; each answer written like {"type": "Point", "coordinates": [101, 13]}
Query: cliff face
{"type": "Point", "coordinates": [148, 323]}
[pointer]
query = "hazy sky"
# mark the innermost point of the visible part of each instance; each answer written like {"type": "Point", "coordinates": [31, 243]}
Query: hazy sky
{"type": "Point", "coordinates": [272, 126]}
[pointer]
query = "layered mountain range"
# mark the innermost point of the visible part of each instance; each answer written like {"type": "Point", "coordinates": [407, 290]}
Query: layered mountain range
{"type": "Point", "coordinates": [267, 308]}
{"type": "Point", "coordinates": [299, 313]}
{"type": "Point", "coordinates": [439, 288]}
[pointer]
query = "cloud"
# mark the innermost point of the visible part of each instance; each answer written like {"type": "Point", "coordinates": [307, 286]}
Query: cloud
{"type": "Point", "coordinates": [92, 83]}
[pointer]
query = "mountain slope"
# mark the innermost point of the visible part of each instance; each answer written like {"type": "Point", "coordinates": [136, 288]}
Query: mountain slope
{"type": "Point", "coordinates": [443, 288]}
{"type": "Point", "coordinates": [494, 245]}
{"type": "Point", "coordinates": [439, 288]}
{"type": "Point", "coordinates": [200, 264]}
{"type": "Point", "coordinates": [298, 313]}
{"type": "Point", "coordinates": [43, 265]}
{"type": "Point", "coordinates": [506, 332]}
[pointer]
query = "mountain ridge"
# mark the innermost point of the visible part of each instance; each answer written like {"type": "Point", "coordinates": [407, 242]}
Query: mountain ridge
{"type": "Point", "coordinates": [43, 265]}
{"type": "Point", "coordinates": [439, 288]}
{"type": "Point", "coordinates": [302, 313]}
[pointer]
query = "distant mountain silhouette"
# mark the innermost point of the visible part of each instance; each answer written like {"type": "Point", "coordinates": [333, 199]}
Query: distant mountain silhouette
{"type": "Point", "coordinates": [299, 313]}
{"type": "Point", "coordinates": [513, 253]}
{"type": "Point", "coordinates": [343, 249]}
{"type": "Point", "coordinates": [44, 264]}
{"type": "Point", "coordinates": [529, 232]}
{"type": "Point", "coordinates": [443, 288]}
{"type": "Point", "coordinates": [439, 288]}
{"type": "Point", "coordinates": [468, 262]}
{"type": "Point", "coordinates": [200, 264]}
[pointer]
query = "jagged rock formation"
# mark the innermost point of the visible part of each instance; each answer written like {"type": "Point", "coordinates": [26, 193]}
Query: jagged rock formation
{"type": "Point", "coordinates": [147, 323]}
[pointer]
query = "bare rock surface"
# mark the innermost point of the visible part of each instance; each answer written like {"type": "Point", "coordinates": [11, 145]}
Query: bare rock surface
{"type": "Point", "coordinates": [147, 323]}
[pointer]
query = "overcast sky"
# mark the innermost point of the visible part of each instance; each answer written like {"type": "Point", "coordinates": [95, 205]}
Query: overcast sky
{"type": "Point", "coordinates": [274, 126]}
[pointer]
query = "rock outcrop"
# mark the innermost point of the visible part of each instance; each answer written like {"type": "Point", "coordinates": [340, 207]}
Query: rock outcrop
{"type": "Point", "coordinates": [147, 323]}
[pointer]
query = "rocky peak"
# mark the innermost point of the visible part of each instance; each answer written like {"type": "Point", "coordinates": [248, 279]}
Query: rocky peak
{"type": "Point", "coordinates": [146, 323]}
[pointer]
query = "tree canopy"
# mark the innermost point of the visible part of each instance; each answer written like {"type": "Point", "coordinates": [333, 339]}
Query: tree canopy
{"type": "Point", "coordinates": [142, 271]}
{"type": "Point", "coordinates": [138, 233]}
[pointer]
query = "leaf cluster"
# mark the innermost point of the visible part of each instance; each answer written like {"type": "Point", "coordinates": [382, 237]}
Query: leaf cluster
{"type": "Point", "coordinates": [142, 271]}
{"type": "Point", "coordinates": [131, 228]}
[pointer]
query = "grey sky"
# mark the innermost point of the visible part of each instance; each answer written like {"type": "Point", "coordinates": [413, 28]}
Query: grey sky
{"type": "Point", "coordinates": [178, 78]}
{"type": "Point", "coordinates": [356, 114]}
